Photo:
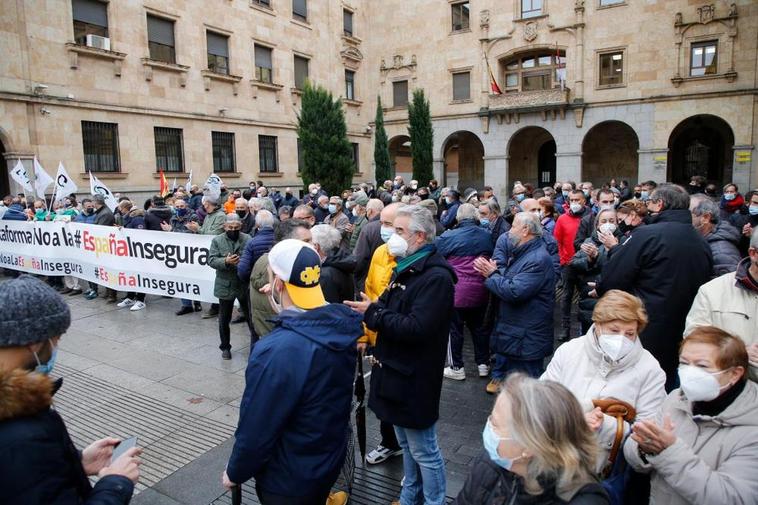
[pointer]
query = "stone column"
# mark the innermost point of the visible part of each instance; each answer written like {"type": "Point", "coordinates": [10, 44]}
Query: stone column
{"type": "Point", "coordinates": [496, 175]}
{"type": "Point", "coordinates": [439, 169]}
{"type": "Point", "coordinates": [568, 167]}
{"type": "Point", "coordinates": [653, 165]}
{"type": "Point", "coordinates": [743, 165]}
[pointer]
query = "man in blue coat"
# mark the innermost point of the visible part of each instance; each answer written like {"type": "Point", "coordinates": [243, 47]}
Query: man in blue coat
{"type": "Point", "coordinates": [15, 211]}
{"type": "Point", "coordinates": [293, 428]}
{"type": "Point", "coordinates": [523, 334]}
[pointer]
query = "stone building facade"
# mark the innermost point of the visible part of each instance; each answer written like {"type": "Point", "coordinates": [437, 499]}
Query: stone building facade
{"type": "Point", "coordinates": [590, 89]}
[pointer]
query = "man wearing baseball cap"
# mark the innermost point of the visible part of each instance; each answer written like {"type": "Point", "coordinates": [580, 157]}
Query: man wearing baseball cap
{"type": "Point", "coordinates": [292, 432]}
{"type": "Point", "coordinates": [39, 464]}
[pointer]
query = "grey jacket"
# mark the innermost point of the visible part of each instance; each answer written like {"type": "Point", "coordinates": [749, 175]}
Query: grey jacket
{"type": "Point", "coordinates": [714, 460]}
{"type": "Point", "coordinates": [724, 240]}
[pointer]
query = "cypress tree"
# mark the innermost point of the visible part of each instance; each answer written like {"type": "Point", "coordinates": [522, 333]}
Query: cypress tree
{"type": "Point", "coordinates": [326, 150]}
{"type": "Point", "coordinates": [422, 138]}
{"type": "Point", "coordinates": [382, 163]}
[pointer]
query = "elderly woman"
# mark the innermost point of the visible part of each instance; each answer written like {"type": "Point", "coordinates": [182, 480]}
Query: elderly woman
{"type": "Point", "coordinates": [337, 265]}
{"type": "Point", "coordinates": [609, 362]}
{"type": "Point", "coordinates": [538, 450]}
{"type": "Point", "coordinates": [703, 448]}
{"type": "Point", "coordinates": [339, 221]}
{"type": "Point", "coordinates": [589, 260]}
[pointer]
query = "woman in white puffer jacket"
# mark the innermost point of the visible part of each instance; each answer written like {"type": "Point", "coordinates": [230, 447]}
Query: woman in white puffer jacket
{"type": "Point", "coordinates": [609, 362]}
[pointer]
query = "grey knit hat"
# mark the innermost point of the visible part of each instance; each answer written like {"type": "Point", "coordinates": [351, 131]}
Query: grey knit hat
{"type": "Point", "coordinates": [31, 312]}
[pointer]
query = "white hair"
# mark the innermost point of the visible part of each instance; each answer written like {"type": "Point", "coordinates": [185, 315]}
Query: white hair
{"type": "Point", "coordinates": [240, 200]}
{"type": "Point", "coordinates": [327, 237]}
{"type": "Point", "coordinates": [466, 211]}
{"type": "Point", "coordinates": [264, 219]}
{"type": "Point", "coordinates": [531, 221]}
{"type": "Point", "coordinates": [421, 221]}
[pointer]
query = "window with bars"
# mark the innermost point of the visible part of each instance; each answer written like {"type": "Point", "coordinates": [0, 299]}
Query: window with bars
{"type": "Point", "coordinates": [264, 3]}
{"type": "Point", "coordinates": [90, 18]}
{"type": "Point", "coordinates": [160, 39]}
{"type": "Point", "coordinates": [349, 84]}
{"type": "Point", "coordinates": [218, 53]}
{"type": "Point", "coordinates": [460, 16]}
{"type": "Point", "coordinates": [356, 156]}
{"type": "Point", "coordinates": [300, 10]}
{"type": "Point", "coordinates": [100, 142]}
{"type": "Point", "coordinates": [169, 149]}
{"type": "Point", "coordinates": [223, 151]}
{"type": "Point", "coordinates": [400, 94]}
{"type": "Point", "coordinates": [531, 8]}
{"type": "Point", "coordinates": [267, 154]}
{"type": "Point", "coordinates": [301, 71]}
{"type": "Point", "coordinates": [347, 22]}
{"type": "Point", "coordinates": [611, 69]}
{"type": "Point", "coordinates": [462, 86]}
{"type": "Point", "coordinates": [704, 58]}
{"type": "Point", "coordinates": [264, 68]}
{"type": "Point", "coordinates": [535, 71]}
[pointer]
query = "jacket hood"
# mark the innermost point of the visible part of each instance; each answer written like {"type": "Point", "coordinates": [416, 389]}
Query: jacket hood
{"type": "Point", "coordinates": [724, 231]}
{"type": "Point", "coordinates": [163, 212]}
{"type": "Point", "coordinates": [24, 393]}
{"type": "Point", "coordinates": [136, 213]}
{"type": "Point", "coordinates": [334, 326]}
{"type": "Point", "coordinates": [342, 261]}
{"type": "Point", "coordinates": [742, 412]}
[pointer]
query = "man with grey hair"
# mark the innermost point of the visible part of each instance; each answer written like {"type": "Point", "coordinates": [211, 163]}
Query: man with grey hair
{"type": "Point", "coordinates": [722, 237]}
{"type": "Point", "coordinates": [730, 302]}
{"type": "Point", "coordinates": [243, 211]}
{"type": "Point", "coordinates": [664, 264]}
{"type": "Point", "coordinates": [412, 319]}
{"type": "Point", "coordinates": [525, 289]}
{"type": "Point", "coordinates": [491, 218]}
{"type": "Point", "coordinates": [337, 265]}
{"type": "Point", "coordinates": [224, 256]}
{"type": "Point", "coordinates": [260, 244]}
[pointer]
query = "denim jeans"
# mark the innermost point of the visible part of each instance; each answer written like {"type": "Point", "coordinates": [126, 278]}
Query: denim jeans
{"type": "Point", "coordinates": [423, 466]}
{"type": "Point", "coordinates": [473, 317]}
{"type": "Point", "coordinates": [505, 366]}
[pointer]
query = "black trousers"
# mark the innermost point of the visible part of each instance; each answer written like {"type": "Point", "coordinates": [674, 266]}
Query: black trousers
{"type": "Point", "coordinates": [318, 498]}
{"type": "Point", "coordinates": [137, 297]}
{"type": "Point", "coordinates": [225, 309]}
{"type": "Point", "coordinates": [389, 439]}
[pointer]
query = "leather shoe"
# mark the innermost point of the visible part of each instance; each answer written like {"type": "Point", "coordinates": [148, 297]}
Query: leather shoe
{"type": "Point", "coordinates": [184, 310]}
{"type": "Point", "coordinates": [226, 354]}
{"type": "Point", "coordinates": [75, 292]}
{"type": "Point", "coordinates": [238, 320]}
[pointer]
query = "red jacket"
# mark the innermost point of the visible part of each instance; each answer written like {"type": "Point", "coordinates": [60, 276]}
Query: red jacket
{"type": "Point", "coordinates": [564, 233]}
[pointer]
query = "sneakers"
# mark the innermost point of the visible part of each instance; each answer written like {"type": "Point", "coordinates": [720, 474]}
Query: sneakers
{"type": "Point", "coordinates": [184, 310]}
{"type": "Point", "coordinates": [210, 314]}
{"type": "Point", "coordinates": [381, 454]}
{"type": "Point", "coordinates": [126, 302]}
{"type": "Point", "coordinates": [337, 498]}
{"type": "Point", "coordinates": [138, 306]}
{"type": "Point", "coordinates": [493, 387]}
{"type": "Point", "coordinates": [456, 374]}
{"type": "Point", "coordinates": [91, 294]}
{"type": "Point", "coordinates": [226, 354]}
{"type": "Point", "coordinates": [484, 370]}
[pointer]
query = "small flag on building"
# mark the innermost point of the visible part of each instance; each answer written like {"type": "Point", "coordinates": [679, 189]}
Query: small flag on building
{"type": "Point", "coordinates": [494, 88]}
{"type": "Point", "coordinates": [560, 67]}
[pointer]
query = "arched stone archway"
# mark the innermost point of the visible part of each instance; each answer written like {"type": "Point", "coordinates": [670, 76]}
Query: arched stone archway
{"type": "Point", "coordinates": [463, 154]}
{"type": "Point", "coordinates": [610, 150]}
{"type": "Point", "coordinates": [701, 145]}
{"type": "Point", "coordinates": [531, 157]}
{"type": "Point", "coordinates": [400, 156]}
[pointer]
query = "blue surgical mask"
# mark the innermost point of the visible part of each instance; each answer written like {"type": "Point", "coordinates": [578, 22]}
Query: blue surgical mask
{"type": "Point", "coordinates": [332, 209]}
{"type": "Point", "coordinates": [565, 194]}
{"type": "Point", "coordinates": [644, 195]}
{"type": "Point", "coordinates": [520, 197]}
{"type": "Point", "coordinates": [484, 222]}
{"type": "Point", "coordinates": [729, 196]}
{"type": "Point", "coordinates": [491, 441]}
{"type": "Point", "coordinates": [386, 233]}
{"type": "Point", "coordinates": [753, 210]}
{"type": "Point", "coordinates": [46, 368]}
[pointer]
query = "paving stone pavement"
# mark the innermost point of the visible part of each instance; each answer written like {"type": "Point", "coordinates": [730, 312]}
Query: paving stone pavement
{"type": "Point", "coordinates": [158, 376]}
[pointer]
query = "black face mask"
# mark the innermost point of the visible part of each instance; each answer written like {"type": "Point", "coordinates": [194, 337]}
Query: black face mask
{"type": "Point", "coordinates": [241, 214]}
{"type": "Point", "coordinates": [233, 235]}
{"type": "Point", "coordinates": [638, 195]}
{"type": "Point", "coordinates": [423, 196]}
{"type": "Point", "coordinates": [89, 211]}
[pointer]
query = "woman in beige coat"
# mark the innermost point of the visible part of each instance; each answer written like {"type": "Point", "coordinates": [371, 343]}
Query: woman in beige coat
{"type": "Point", "coordinates": [704, 447]}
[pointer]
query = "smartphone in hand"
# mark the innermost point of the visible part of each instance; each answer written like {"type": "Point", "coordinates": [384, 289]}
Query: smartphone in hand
{"type": "Point", "coordinates": [122, 447]}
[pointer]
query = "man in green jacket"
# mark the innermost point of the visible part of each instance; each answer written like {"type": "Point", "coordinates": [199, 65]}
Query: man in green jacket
{"type": "Point", "coordinates": [212, 225]}
{"type": "Point", "coordinates": [223, 257]}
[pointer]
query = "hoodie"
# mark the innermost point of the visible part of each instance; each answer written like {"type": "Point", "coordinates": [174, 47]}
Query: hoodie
{"type": "Point", "coordinates": [292, 432]}
{"type": "Point", "coordinates": [157, 215]}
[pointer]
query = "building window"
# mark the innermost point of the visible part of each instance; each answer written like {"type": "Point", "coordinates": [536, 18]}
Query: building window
{"type": "Point", "coordinates": [300, 10]}
{"type": "Point", "coordinates": [531, 8]}
{"type": "Point", "coordinates": [347, 22]}
{"type": "Point", "coordinates": [301, 71]}
{"type": "Point", "coordinates": [264, 69]}
{"type": "Point", "coordinates": [223, 151]}
{"type": "Point", "coordinates": [169, 149]}
{"type": "Point", "coordinates": [264, 3]}
{"type": "Point", "coordinates": [218, 53]}
{"type": "Point", "coordinates": [612, 69]}
{"type": "Point", "coordinates": [704, 58]}
{"type": "Point", "coordinates": [90, 18]}
{"type": "Point", "coordinates": [604, 3]}
{"type": "Point", "coordinates": [462, 86]}
{"type": "Point", "coordinates": [267, 153]}
{"type": "Point", "coordinates": [400, 94]}
{"type": "Point", "coordinates": [160, 39]}
{"type": "Point", "coordinates": [460, 16]}
{"type": "Point", "coordinates": [100, 141]}
{"type": "Point", "coordinates": [535, 71]}
{"type": "Point", "coordinates": [356, 156]}
{"type": "Point", "coordinates": [349, 84]}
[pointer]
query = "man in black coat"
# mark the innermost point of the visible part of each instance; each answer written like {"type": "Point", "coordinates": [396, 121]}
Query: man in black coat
{"type": "Point", "coordinates": [39, 464]}
{"type": "Point", "coordinates": [158, 214]}
{"type": "Point", "coordinates": [664, 264]}
{"type": "Point", "coordinates": [412, 319]}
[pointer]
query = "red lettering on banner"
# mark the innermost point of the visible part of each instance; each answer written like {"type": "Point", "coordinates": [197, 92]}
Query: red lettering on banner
{"type": "Point", "coordinates": [89, 241]}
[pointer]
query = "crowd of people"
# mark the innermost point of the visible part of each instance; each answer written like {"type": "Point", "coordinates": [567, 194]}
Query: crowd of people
{"type": "Point", "coordinates": [617, 327]}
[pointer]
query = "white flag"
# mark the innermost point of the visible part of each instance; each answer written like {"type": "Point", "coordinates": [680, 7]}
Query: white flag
{"type": "Point", "coordinates": [213, 186]}
{"type": "Point", "coordinates": [41, 179]}
{"type": "Point", "coordinates": [188, 186]}
{"type": "Point", "coordinates": [64, 186]}
{"type": "Point", "coordinates": [19, 175]}
{"type": "Point", "coordinates": [173, 186]}
{"type": "Point", "coordinates": [98, 188]}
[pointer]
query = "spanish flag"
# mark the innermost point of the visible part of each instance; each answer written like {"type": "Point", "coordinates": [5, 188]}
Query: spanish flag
{"type": "Point", "coordinates": [494, 88]}
{"type": "Point", "coordinates": [163, 191]}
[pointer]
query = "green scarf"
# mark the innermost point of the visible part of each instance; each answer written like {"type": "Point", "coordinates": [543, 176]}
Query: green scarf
{"type": "Point", "coordinates": [404, 263]}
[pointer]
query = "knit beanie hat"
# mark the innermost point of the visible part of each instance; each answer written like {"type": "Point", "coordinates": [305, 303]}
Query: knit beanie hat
{"type": "Point", "coordinates": [31, 312]}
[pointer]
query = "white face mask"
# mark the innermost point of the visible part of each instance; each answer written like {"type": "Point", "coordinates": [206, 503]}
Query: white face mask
{"type": "Point", "coordinates": [699, 385]}
{"type": "Point", "coordinates": [398, 246]}
{"type": "Point", "coordinates": [608, 228]}
{"type": "Point", "coordinates": [615, 346]}
{"type": "Point", "coordinates": [575, 207]}
{"type": "Point", "coordinates": [276, 306]}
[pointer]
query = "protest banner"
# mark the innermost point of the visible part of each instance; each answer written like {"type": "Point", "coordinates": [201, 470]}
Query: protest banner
{"type": "Point", "coordinates": [158, 263]}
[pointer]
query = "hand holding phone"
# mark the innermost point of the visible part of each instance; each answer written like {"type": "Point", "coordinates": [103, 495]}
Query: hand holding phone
{"type": "Point", "coordinates": [122, 447]}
